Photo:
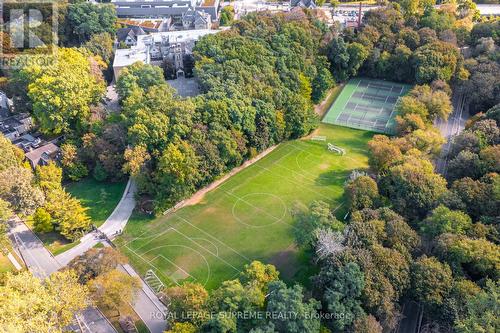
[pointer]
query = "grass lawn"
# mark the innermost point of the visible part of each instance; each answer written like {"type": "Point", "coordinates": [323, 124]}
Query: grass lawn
{"type": "Point", "coordinates": [5, 264]}
{"type": "Point", "coordinates": [248, 216]}
{"type": "Point", "coordinates": [100, 198]}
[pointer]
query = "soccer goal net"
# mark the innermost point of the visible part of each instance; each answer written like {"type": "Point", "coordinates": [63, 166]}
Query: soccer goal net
{"type": "Point", "coordinates": [336, 149]}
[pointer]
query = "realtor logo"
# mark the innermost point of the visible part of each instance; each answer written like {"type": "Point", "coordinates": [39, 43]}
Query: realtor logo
{"type": "Point", "coordinates": [27, 28]}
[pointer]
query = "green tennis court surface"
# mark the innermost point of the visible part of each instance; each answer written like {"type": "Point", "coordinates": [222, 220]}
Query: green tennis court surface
{"type": "Point", "coordinates": [367, 104]}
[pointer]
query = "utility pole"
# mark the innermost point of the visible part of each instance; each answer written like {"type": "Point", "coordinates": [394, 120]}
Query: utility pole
{"type": "Point", "coordinates": [359, 14]}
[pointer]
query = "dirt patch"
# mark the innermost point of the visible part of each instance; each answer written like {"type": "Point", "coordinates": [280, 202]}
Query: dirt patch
{"type": "Point", "coordinates": [324, 166]}
{"type": "Point", "coordinates": [285, 262]}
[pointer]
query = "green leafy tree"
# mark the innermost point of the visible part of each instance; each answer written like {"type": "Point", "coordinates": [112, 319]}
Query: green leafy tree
{"type": "Point", "coordinates": [482, 312]}
{"type": "Point", "coordinates": [444, 220]}
{"type": "Point", "coordinates": [431, 280]}
{"type": "Point", "coordinates": [319, 216]}
{"type": "Point", "coordinates": [361, 193]}
{"type": "Point", "coordinates": [69, 216]}
{"type": "Point", "coordinates": [10, 155]}
{"type": "Point", "coordinates": [85, 19]}
{"type": "Point", "coordinates": [49, 176]}
{"type": "Point", "coordinates": [188, 297]}
{"type": "Point", "coordinates": [343, 295]}
{"type": "Point", "coordinates": [284, 300]}
{"type": "Point", "coordinates": [413, 187]}
{"type": "Point", "coordinates": [62, 92]}
{"type": "Point", "coordinates": [436, 61]}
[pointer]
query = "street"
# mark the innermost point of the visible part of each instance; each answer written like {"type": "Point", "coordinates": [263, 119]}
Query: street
{"type": "Point", "coordinates": [450, 128]}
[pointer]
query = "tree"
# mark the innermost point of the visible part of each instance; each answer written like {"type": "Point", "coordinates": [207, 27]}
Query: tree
{"type": "Point", "coordinates": [444, 220]}
{"type": "Point", "coordinates": [413, 187]}
{"type": "Point", "coordinates": [33, 305]}
{"type": "Point", "coordinates": [181, 328]}
{"type": "Point", "coordinates": [95, 262]}
{"type": "Point", "coordinates": [343, 295]}
{"type": "Point", "coordinates": [435, 61]}
{"type": "Point", "coordinates": [428, 141]}
{"type": "Point", "coordinates": [338, 56]}
{"type": "Point", "coordinates": [383, 153]}
{"type": "Point", "coordinates": [138, 75]}
{"type": "Point", "coordinates": [62, 92]}
{"type": "Point", "coordinates": [367, 324]}
{"type": "Point", "coordinates": [177, 170]}
{"type": "Point", "coordinates": [101, 45]}
{"type": "Point", "coordinates": [87, 19]}
{"type": "Point", "coordinates": [479, 257]}
{"type": "Point", "coordinates": [10, 155]}
{"type": "Point", "coordinates": [361, 193]}
{"type": "Point", "coordinates": [73, 168]}
{"type": "Point", "coordinates": [226, 15]}
{"type": "Point", "coordinates": [16, 187]}
{"type": "Point", "coordinates": [482, 313]}
{"type": "Point", "coordinates": [431, 280]}
{"type": "Point", "coordinates": [319, 216]}
{"type": "Point", "coordinates": [48, 177]}
{"type": "Point", "coordinates": [283, 300]}
{"type": "Point", "coordinates": [68, 215]}
{"type": "Point", "coordinates": [114, 289]}
{"type": "Point", "coordinates": [42, 221]}
{"type": "Point", "coordinates": [321, 84]}
{"type": "Point", "coordinates": [465, 164]}
{"type": "Point", "coordinates": [482, 87]}
{"type": "Point", "coordinates": [260, 274]}
{"type": "Point", "coordinates": [189, 297]}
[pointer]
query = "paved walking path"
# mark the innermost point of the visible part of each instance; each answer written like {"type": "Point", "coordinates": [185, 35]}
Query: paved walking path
{"type": "Point", "coordinates": [115, 222]}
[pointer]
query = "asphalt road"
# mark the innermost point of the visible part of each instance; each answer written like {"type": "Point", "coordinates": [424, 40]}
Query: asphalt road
{"type": "Point", "coordinates": [450, 128]}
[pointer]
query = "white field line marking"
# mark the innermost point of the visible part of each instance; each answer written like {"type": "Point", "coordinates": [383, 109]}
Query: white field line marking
{"type": "Point", "coordinates": [210, 242]}
{"type": "Point", "coordinates": [176, 266]}
{"type": "Point", "coordinates": [347, 100]}
{"type": "Point", "coordinates": [150, 264]}
{"type": "Point", "coordinates": [278, 220]}
{"type": "Point", "coordinates": [153, 237]}
{"type": "Point", "coordinates": [216, 239]}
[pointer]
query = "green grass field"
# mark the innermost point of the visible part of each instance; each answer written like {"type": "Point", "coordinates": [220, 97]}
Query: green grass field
{"type": "Point", "coordinates": [248, 217]}
{"type": "Point", "coordinates": [100, 198]}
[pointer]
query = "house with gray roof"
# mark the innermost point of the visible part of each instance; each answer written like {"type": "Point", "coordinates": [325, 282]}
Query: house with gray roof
{"type": "Point", "coordinates": [310, 4]}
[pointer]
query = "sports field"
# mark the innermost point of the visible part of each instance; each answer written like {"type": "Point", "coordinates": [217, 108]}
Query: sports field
{"type": "Point", "coordinates": [367, 104]}
{"type": "Point", "coordinates": [248, 217]}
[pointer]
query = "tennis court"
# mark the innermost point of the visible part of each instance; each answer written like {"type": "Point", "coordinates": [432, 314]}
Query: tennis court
{"type": "Point", "coordinates": [367, 104]}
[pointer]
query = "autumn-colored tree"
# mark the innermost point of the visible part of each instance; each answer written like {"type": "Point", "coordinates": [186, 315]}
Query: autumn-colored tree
{"type": "Point", "coordinates": [114, 289]}
{"type": "Point", "coordinates": [39, 306]}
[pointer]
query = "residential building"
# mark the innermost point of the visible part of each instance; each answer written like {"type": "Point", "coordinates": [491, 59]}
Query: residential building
{"type": "Point", "coordinates": [196, 19]}
{"type": "Point", "coordinates": [164, 8]}
{"type": "Point", "coordinates": [128, 36]}
{"type": "Point", "coordinates": [43, 155]}
{"type": "Point", "coordinates": [157, 48]}
{"type": "Point", "coordinates": [303, 4]}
